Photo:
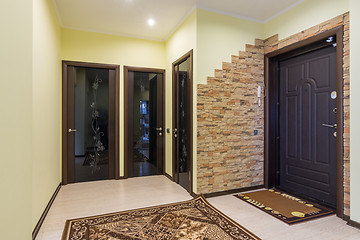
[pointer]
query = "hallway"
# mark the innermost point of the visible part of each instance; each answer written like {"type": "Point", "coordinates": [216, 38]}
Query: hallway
{"type": "Point", "coordinates": [93, 198]}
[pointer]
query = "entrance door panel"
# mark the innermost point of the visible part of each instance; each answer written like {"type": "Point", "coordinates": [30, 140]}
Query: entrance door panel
{"type": "Point", "coordinates": [307, 115]}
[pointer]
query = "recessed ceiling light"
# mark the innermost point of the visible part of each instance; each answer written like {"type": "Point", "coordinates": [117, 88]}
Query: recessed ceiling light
{"type": "Point", "coordinates": [151, 22]}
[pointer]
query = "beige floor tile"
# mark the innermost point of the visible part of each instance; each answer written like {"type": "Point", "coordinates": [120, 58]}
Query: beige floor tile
{"type": "Point", "coordinates": [92, 198]}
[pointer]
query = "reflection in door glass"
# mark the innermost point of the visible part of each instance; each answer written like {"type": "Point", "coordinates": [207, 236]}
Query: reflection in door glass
{"type": "Point", "coordinates": [91, 124]}
{"type": "Point", "coordinates": [183, 78]}
{"type": "Point", "coordinates": [145, 124]}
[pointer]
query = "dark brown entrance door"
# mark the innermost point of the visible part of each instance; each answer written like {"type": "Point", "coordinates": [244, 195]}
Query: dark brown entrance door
{"type": "Point", "coordinates": [307, 125]}
{"type": "Point", "coordinates": [182, 121]}
{"type": "Point", "coordinates": [144, 124]}
{"type": "Point", "coordinates": [90, 119]}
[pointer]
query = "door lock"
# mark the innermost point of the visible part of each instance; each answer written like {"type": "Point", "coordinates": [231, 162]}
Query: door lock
{"type": "Point", "coordinates": [175, 132]}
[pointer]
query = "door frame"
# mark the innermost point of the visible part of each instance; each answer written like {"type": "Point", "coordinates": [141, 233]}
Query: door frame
{"type": "Point", "coordinates": [271, 110]}
{"type": "Point", "coordinates": [65, 65]}
{"type": "Point", "coordinates": [128, 125]}
{"type": "Point", "coordinates": [175, 167]}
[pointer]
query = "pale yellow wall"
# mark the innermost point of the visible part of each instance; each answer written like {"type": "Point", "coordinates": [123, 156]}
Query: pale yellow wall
{"type": "Point", "coordinates": [305, 15]}
{"type": "Point", "coordinates": [16, 119]}
{"type": "Point", "coordinates": [179, 43]}
{"type": "Point", "coordinates": [46, 109]}
{"type": "Point", "coordinates": [354, 110]}
{"type": "Point", "coordinates": [111, 49]}
{"type": "Point", "coordinates": [220, 36]}
{"type": "Point", "coordinates": [31, 72]}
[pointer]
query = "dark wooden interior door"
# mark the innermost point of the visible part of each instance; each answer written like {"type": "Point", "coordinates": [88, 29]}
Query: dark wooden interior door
{"type": "Point", "coordinates": [70, 125]}
{"type": "Point", "coordinates": [153, 123]}
{"type": "Point", "coordinates": [182, 121]}
{"type": "Point", "coordinates": [160, 125]}
{"type": "Point", "coordinates": [90, 123]}
{"type": "Point", "coordinates": [307, 125]}
{"type": "Point", "coordinates": [156, 130]}
{"type": "Point", "coordinates": [129, 124]}
{"type": "Point", "coordinates": [144, 85]}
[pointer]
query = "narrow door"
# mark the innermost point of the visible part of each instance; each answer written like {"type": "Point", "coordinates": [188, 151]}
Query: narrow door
{"type": "Point", "coordinates": [307, 118]}
{"type": "Point", "coordinates": [182, 121]}
{"type": "Point", "coordinates": [156, 125]}
{"type": "Point", "coordinates": [144, 113]}
{"type": "Point", "coordinates": [90, 123]}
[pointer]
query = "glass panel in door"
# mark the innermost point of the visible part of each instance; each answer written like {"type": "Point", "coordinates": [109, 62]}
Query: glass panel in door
{"type": "Point", "coordinates": [147, 121]}
{"type": "Point", "coordinates": [91, 124]}
{"type": "Point", "coordinates": [183, 130]}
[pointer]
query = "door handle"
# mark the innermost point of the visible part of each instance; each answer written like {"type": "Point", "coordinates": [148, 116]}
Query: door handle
{"type": "Point", "coordinates": [159, 129]}
{"type": "Point", "coordinates": [328, 125]}
{"type": "Point", "coordinates": [72, 130]}
{"type": "Point", "coordinates": [175, 132]}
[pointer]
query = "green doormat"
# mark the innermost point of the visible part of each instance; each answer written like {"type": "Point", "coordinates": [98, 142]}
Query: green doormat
{"type": "Point", "coordinates": [285, 207]}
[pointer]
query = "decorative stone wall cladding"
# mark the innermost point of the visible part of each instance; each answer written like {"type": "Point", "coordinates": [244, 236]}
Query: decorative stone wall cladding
{"type": "Point", "coordinates": [229, 155]}
{"type": "Point", "coordinates": [273, 43]}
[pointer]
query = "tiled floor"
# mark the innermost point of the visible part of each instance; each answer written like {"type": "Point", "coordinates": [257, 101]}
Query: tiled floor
{"type": "Point", "coordinates": [92, 198]}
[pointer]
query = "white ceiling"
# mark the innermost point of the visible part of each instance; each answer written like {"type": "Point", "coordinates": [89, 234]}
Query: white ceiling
{"type": "Point", "coordinates": [129, 17]}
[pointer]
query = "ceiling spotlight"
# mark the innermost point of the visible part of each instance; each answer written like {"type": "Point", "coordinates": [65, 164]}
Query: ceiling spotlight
{"type": "Point", "coordinates": [151, 22]}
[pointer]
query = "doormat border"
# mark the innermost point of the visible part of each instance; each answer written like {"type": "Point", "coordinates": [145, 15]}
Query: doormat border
{"type": "Point", "coordinates": [323, 210]}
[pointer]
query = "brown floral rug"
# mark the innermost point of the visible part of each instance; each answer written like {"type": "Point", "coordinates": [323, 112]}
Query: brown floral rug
{"type": "Point", "coordinates": [285, 207]}
{"type": "Point", "coordinates": [193, 219]}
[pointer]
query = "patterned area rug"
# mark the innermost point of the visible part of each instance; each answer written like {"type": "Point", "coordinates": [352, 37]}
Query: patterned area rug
{"type": "Point", "coordinates": [285, 207]}
{"type": "Point", "coordinates": [193, 219]}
